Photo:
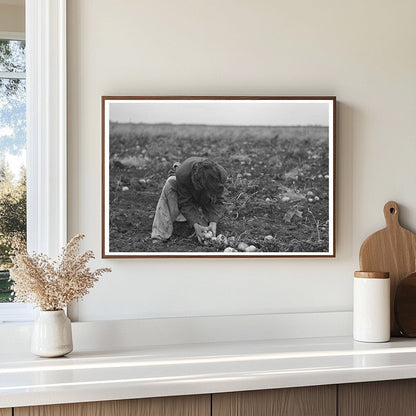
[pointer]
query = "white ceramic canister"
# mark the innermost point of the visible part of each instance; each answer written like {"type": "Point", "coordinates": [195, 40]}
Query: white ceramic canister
{"type": "Point", "coordinates": [371, 310]}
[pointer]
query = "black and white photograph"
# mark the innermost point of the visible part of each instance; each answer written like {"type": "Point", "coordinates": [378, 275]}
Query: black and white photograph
{"type": "Point", "coordinates": [218, 176]}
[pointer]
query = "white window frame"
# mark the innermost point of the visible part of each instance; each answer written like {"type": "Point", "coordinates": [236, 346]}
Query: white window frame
{"type": "Point", "coordinates": [46, 134]}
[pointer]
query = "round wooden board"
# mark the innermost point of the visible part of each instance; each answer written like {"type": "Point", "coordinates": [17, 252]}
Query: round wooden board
{"type": "Point", "coordinates": [405, 306]}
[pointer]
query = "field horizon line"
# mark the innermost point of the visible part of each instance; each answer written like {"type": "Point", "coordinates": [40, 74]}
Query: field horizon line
{"type": "Point", "coordinates": [220, 125]}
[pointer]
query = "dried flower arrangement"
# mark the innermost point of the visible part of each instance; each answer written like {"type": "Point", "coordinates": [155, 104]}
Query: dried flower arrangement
{"type": "Point", "coordinates": [53, 285]}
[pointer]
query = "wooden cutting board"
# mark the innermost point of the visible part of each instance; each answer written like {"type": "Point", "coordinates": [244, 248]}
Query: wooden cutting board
{"type": "Point", "coordinates": [393, 250]}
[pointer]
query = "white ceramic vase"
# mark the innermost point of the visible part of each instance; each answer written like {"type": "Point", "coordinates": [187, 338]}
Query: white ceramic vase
{"type": "Point", "coordinates": [52, 334]}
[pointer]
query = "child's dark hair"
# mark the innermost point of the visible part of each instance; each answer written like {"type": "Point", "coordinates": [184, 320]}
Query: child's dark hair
{"type": "Point", "coordinates": [210, 177]}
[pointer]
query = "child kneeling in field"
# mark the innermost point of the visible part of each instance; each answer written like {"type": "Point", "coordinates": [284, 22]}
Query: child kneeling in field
{"type": "Point", "coordinates": [194, 194]}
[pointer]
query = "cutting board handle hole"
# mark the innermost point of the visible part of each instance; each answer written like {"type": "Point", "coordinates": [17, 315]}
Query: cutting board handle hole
{"type": "Point", "coordinates": [391, 213]}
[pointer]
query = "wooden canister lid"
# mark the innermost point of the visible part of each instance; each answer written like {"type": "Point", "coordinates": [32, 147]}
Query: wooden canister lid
{"type": "Point", "coordinates": [372, 275]}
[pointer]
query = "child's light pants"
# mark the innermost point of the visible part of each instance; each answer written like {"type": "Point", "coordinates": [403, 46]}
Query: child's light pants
{"type": "Point", "coordinates": [167, 211]}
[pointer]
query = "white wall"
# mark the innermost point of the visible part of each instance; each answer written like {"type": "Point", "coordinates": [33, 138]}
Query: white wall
{"type": "Point", "coordinates": [361, 51]}
{"type": "Point", "coordinates": [12, 18]}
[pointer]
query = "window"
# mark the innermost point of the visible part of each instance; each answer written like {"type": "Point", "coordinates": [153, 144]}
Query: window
{"type": "Point", "coordinates": [12, 154]}
{"type": "Point", "coordinates": [12, 165]}
{"type": "Point", "coordinates": [46, 134]}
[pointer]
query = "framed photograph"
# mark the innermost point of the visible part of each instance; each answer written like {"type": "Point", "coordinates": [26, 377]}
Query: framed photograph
{"type": "Point", "coordinates": [218, 176]}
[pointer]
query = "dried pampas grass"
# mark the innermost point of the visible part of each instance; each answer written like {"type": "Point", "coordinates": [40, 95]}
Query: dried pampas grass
{"type": "Point", "coordinates": [53, 285]}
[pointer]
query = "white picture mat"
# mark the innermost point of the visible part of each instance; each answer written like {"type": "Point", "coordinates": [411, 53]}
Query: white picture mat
{"type": "Point", "coordinates": [302, 114]}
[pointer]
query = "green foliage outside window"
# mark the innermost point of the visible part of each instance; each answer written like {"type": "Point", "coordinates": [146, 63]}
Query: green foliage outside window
{"type": "Point", "coordinates": [12, 148]}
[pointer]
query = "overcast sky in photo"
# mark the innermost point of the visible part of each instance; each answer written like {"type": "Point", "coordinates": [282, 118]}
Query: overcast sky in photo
{"type": "Point", "coordinates": [228, 112]}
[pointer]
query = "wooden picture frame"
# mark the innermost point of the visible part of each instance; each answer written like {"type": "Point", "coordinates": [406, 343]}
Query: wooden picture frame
{"type": "Point", "coordinates": [268, 161]}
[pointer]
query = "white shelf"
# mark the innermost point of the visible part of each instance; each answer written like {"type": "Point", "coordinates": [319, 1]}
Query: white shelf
{"type": "Point", "coordinates": [151, 371]}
